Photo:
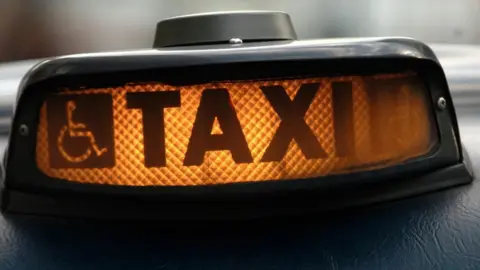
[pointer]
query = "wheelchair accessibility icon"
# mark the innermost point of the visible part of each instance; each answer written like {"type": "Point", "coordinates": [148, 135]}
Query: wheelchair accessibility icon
{"type": "Point", "coordinates": [77, 130]}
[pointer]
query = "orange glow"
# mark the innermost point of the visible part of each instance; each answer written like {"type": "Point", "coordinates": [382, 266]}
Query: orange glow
{"type": "Point", "coordinates": [404, 131]}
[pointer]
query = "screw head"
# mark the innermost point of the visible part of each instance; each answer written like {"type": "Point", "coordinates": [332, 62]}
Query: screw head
{"type": "Point", "coordinates": [441, 103]}
{"type": "Point", "coordinates": [235, 41]}
{"type": "Point", "coordinates": [23, 130]}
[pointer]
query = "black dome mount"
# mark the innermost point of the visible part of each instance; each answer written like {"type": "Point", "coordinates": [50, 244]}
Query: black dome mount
{"type": "Point", "coordinates": [224, 27]}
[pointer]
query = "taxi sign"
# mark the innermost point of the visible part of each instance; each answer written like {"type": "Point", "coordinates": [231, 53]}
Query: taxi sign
{"type": "Point", "coordinates": [230, 132]}
{"type": "Point", "coordinates": [226, 119]}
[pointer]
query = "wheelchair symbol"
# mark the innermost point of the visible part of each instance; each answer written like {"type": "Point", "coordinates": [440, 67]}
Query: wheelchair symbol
{"type": "Point", "coordinates": [77, 130]}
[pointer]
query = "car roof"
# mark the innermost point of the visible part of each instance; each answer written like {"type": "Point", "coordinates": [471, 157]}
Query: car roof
{"type": "Point", "coordinates": [439, 230]}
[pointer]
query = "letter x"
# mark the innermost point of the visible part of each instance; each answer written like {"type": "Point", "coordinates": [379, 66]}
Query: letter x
{"type": "Point", "coordinates": [292, 125]}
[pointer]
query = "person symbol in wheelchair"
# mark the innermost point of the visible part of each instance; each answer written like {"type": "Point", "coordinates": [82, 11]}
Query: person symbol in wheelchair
{"type": "Point", "coordinates": [77, 130]}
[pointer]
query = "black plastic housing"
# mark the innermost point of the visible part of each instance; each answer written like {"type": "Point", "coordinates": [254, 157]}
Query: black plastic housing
{"type": "Point", "coordinates": [221, 27]}
{"type": "Point", "coordinates": [28, 190]}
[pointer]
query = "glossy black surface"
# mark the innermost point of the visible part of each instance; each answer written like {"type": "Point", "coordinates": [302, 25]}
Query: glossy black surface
{"type": "Point", "coordinates": [322, 49]}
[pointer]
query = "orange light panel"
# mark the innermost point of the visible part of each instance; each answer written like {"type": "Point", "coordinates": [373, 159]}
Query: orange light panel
{"type": "Point", "coordinates": [230, 132]}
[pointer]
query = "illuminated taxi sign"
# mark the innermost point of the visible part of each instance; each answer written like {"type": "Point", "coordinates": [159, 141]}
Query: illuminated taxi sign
{"type": "Point", "coordinates": [226, 121]}
{"type": "Point", "coordinates": [229, 132]}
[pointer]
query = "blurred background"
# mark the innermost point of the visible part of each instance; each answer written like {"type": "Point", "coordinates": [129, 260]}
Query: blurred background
{"type": "Point", "coordinates": [42, 28]}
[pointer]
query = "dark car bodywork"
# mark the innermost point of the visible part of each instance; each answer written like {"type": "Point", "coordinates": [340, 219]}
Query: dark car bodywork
{"type": "Point", "coordinates": [440, 230]}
